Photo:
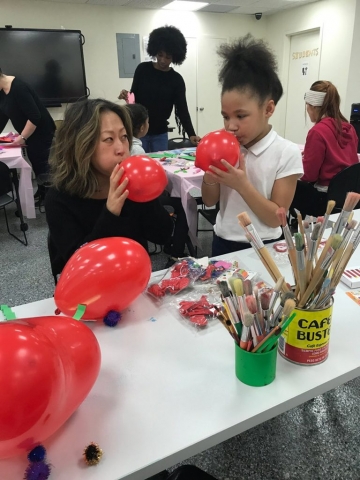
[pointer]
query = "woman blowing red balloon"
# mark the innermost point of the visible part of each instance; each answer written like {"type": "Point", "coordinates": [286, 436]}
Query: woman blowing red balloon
{"type": "Point", "coordinates": [88, 199]}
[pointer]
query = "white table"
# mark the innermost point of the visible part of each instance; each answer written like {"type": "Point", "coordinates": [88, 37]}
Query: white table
{"type": "Point", "coordinates": [165, 392]}
{"type": "Point", "coordinates": [13, 158]}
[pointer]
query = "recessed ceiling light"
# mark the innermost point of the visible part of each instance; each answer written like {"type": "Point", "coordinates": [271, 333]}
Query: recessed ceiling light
{"type": "Point", "coordinates": [185, 6]}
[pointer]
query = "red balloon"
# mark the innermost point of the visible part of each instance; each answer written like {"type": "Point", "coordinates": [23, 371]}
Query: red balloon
{"type": "Point", "coordinates": [147, 178]}
{"type": "Point", "coordinates": [105, 274]}
{"type": "Point", "coordinates": [48, 366]}
{"type": "Point", "coordinates": [216, 146]}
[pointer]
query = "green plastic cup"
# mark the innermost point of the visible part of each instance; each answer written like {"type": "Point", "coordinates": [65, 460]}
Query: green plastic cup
{"type": "Point", "coordinates": [255, 369]}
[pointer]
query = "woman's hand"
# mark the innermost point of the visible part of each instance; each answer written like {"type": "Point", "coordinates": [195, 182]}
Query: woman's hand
{"type": "Point", "coordinates": [18, 141]}
{"type": "Point", "coordinates": [123, 95]}
{"type": "Point", "coordinates": [117, 191]}
{"type": "Point", "coordinates": [195, 139]}
{"type": "Point", "coordinates": [234, 178]}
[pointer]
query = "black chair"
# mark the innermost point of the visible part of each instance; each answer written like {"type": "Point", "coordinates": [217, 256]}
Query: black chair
{"type": "Point", "coordinates": [180, 142]}
{"type": "Point", "coordinates": [210, 215]}
{"type": "Point", "coordinates": [348, 180]}
{"type": "Point", "coordinates": [9, 182]}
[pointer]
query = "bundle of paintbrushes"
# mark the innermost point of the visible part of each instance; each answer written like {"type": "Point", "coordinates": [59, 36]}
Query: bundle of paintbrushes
{"type": "Point", "coordinates": [316, 274]}
{"type": "Point", "coordinates": [255, 317]}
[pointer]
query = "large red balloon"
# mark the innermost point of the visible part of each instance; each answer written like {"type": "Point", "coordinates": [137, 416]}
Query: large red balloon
{"type": "Point", "coordinates": [105, 274]}
{"type": "Point", "coordinates": [216, 146]}
{"type": "Point", "coordinates": [48, 366]}
{"type": "Point", "coordinates": [147, 178]}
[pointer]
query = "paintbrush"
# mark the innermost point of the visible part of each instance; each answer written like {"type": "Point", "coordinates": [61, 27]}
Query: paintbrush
{"type": "Point", "coordinates": [274, 319]}
{"type": "Point", "coordinates": [320, 269]}
{"type": "Point", "coordinates": [246, 331]}
{"type": "Point", "coordinates": [349, 228]}
{"type": "Point", "coordinates": [229, 326]}
{"type": "Point", "coordinates": [310, 255]}
{"type": "Point", "coordinates": [265, 295]}
{"type": "Point", "coordinates": [259, 313]}
{"type": "Point", "coordinates": [307, 233]}
{"type": "Point", "coordinates": [229, 301]}
{"type": "Point", "coordinates": [300, 224]}
{"type": "Point", "coordinates": [281, 215]}
{"type": "Point", "coordinates": [322, 292]}
{"type": "Point", "coordinates": [300, 263]}
{"type": "Point", "coordinates": [329, 208]}
{"type": "Point", "coordinates": [276, 293]}
{"type": "Point", "coordinates": [349, 250]}
{"type": "Point", "coordinates": [279, 329]}
{"type": "Point", "coordinates": [268, 261]}
{"type": "Point", "coordinates": [350, 203]}
{"type": "Point", "coordinates": [322, 303]}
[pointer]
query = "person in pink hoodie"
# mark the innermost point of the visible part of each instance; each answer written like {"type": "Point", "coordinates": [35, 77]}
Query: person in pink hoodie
{"type": "Point", "coordinates": [331, 146]}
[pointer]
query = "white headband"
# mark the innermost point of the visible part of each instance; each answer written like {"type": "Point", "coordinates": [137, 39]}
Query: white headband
{"type": "Point", "coordinates": [316, 99]}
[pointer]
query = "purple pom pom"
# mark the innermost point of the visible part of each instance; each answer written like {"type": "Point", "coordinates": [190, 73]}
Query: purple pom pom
{"type": "Point", "coordinates": [112, 318]}
{"type": "Point", "coordinates": [37, 471]}
{"type": "Point", "coordinates": [37, 454]}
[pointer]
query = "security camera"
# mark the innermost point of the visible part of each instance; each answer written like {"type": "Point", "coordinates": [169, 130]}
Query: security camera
{"type": "Point", "coordinates": [258, 16]}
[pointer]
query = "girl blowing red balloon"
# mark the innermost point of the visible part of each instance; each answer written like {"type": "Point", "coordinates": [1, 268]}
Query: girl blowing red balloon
{"type": "Point", "coordinates": [269, 166]}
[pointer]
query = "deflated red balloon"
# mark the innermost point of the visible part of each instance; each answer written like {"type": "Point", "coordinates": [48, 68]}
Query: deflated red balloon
{"type": "Point", "coordinates": [216, 146]}
{"type": "Point", "coordinates": [105, 274]}
{"type": "Point", "coordinates": [147, 178]}
{"type": "Point", "coordinates": [48, 366]}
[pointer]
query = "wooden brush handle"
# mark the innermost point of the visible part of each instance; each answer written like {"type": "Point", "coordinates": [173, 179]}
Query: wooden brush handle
{"type": "Point", "coordinates": [323, 254]}
{"type": "Point", "coordinates": [269, 335]}
{"type": "Point", "coordinates": [311, 287]}
{"type": "Point", "coordinates": [292, 258]}
{"type": "Point", "coordinates": [342, 265]}
{"type": "Point", "coordinates": [272, 267]}
{"type": "Point", "coordinates": [301, 228]}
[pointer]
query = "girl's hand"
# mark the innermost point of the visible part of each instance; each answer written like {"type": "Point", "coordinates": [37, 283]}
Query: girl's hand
{"type": "Point", "coordinates": [123, 95]}
{"type": "Point", "coordinates": [117, 191]}
{"type": "Point", "coordinates": [234, 177]}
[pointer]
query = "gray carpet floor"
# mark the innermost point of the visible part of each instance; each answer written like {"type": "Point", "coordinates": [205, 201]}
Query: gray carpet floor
{"type": "Point", "coordinates": [318, 440]}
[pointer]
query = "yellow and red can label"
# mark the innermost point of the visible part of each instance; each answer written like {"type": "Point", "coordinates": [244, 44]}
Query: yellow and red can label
{"type": "Point", "coordinates": [306, 340]}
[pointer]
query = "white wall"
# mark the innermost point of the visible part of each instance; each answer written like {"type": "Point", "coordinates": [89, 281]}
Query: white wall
{"type": "Point", "coordinates": [336, 20]}
{"type": "Point", "coordinates": [99, 24]}
{"type": "Point", "coordinates": [353, 84]}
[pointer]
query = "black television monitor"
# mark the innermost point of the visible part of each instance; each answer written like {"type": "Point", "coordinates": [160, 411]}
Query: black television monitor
{"type": "Point", "coordinates": [50, 61]}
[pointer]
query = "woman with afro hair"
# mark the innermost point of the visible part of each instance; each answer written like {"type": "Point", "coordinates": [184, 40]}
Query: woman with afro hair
{"type": "Point", "coordinates": [158, 87]}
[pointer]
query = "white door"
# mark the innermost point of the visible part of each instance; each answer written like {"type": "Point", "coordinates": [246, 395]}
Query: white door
{"type": "Point", "coordinates": [188, 71]}
{"type": "Point", "coordinates": [208, 87]}
{"type": "Point", "coordinates": [304, 64]}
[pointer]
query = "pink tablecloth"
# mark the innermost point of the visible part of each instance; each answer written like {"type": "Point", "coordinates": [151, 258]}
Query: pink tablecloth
{"type": "Point", "coordinates": [13, 158]}
{"type": "Point", "coordinates": [180, 184]}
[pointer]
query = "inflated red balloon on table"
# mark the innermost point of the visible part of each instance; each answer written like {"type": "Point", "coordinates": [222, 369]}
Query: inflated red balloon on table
{"type": "Point", "coordinates": [48, 366]}
{"type": "Point", "coordinates": [216, 146]}
{"type": "Point", "coordinates": [147, 178]}
{"type": "Point", "coordinates": [105, 274]}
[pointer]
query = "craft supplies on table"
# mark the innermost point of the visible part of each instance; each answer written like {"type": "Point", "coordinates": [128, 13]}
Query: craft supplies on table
{"type": "Point", "coordinates": [351, 277]}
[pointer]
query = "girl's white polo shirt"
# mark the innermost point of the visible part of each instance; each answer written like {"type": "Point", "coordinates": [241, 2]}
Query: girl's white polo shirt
{"type": "Point", "coordinates": [268, 160]}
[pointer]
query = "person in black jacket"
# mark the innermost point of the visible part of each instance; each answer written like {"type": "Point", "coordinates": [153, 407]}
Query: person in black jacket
{"type": "Point", "coordinates": [88, 198]}
{"type": "Point", "coordinates": [158, 87]}
{"type": "Point", "coordinates": [21, 105]}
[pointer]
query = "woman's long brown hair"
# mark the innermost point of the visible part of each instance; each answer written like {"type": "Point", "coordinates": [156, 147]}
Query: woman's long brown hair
{"type": "Point", "coordinates": [75, 144]}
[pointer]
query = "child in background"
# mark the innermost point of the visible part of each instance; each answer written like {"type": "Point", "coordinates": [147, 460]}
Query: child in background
{"type": "Point", "coordinates": [269, 166]}
{"type": "Point", "coordinates": [176, 245]}
{"type": "Point", "coordinates": [140, 124]}
{"type": "Point", "coordinates": [331, 146]}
